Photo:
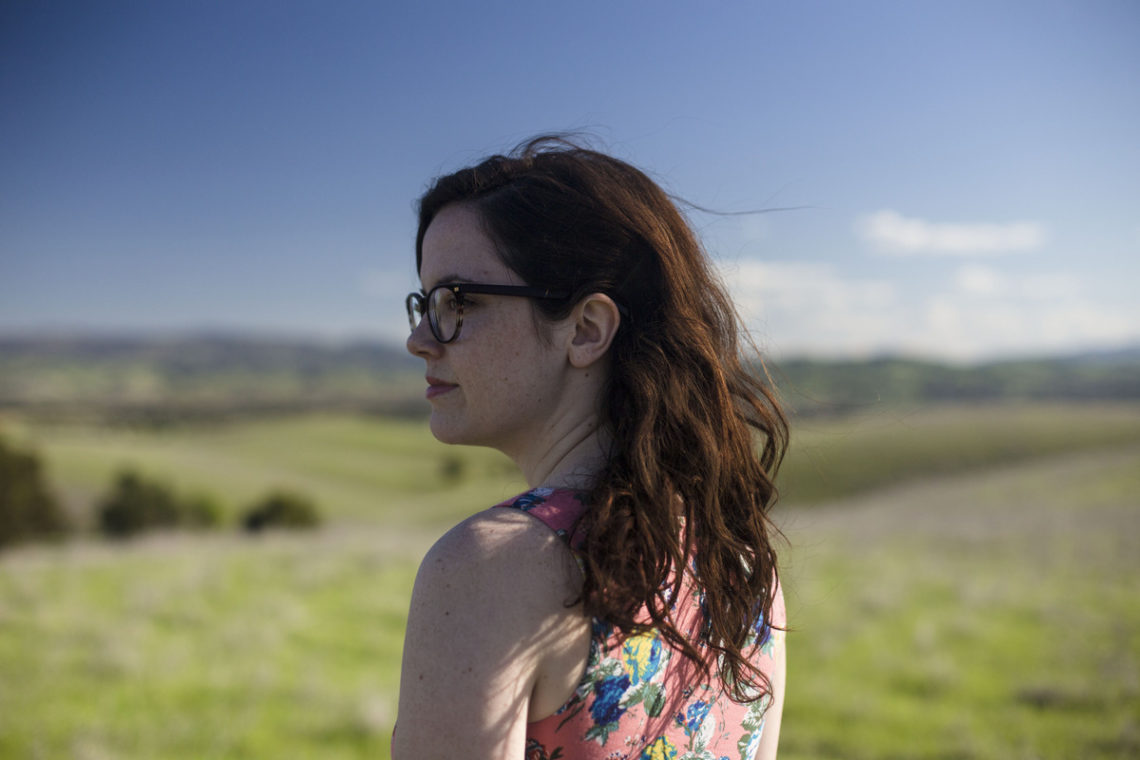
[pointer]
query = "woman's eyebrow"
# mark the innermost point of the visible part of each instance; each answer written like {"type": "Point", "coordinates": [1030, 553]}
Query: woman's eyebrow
{"type": "Point", "coordinates": [448, 279]}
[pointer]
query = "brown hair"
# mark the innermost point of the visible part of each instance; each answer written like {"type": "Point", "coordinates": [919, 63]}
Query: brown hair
{"type": "Point", "coordinates": [681, 403]}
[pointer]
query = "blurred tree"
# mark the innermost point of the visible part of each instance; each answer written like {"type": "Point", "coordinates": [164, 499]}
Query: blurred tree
{"type": "Point", "coordinates": [135, 504]}
{"type": "Point", "coordinates": [452, 468]}
{"type": "Point", "coordinates": [282, 509]}
{"type": "Point", "coordinates": [28, 510]}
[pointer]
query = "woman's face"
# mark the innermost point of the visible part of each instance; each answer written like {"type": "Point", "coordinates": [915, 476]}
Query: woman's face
{"type": "Point", "coordinates": [498, 383]}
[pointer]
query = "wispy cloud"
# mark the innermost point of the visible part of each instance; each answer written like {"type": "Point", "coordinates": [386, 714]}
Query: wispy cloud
{"type": "Point", "coordinates": [793, 306]}
{"type": "Point", "coordinates": [814, 308]}
{"type": "Point", "coordinates": [985, 282]}
{"type": "Point", "coordinates": [890, 232]}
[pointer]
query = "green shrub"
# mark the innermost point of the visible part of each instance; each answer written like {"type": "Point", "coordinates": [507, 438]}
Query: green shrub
{"type": "Point", "coordinates": [452, 468]}
{"type": "Point", "coordinates": [282, 509]}
{"type": "Point", "coordinates": [136, 504]}
{"type": "Point", "coordinates": [28, 510]}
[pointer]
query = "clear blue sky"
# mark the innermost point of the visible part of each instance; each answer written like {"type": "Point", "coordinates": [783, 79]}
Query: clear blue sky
{"type": "Point", "coordinates": [970, 170]}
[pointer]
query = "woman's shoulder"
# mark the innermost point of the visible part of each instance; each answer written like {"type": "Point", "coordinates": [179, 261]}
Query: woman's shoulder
{"type": "Point", "coordinates": [507, 544]}
{"type": "Point", "coordinates": [488, 608]}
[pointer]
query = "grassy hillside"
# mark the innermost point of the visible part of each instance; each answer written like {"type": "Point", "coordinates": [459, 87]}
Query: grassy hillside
{"type": "Point", "coordinates": [989, 616]}
{"type": "Point", "coordinates": [961, 587]}
{"type": "Point", "coordinates": [886, 445]}
{"type": "Point", "coordinates": [367, 469]}
{"type": "Point", "coordinates": [357, 468]}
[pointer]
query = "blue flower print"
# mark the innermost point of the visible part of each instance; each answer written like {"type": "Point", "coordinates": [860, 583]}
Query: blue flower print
{"type": "Point", "coordinates": [607, 695]}
{"type": "Point", "coordinates": [760, 628]}
{"type": "Point", "coordinates": [695, 716]}
{"type": "Point", "coordinates": [531, 499]}
{"type": "Point", "coordinates": [535, 751]}
{"type": "Point", "coordinates": [763, 633]}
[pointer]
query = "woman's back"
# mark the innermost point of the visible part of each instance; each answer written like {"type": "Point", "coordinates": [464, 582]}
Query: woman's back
{"type": "Point", "coordinates": [569, 318]}
{"type": "Point", "coordinates": [639, 698]}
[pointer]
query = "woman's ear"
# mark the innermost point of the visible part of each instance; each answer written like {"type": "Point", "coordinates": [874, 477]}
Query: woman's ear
{"type": "Point", "coordinates": [595, 321]}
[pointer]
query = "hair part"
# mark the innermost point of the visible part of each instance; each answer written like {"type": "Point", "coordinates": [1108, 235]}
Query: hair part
{"type": "Point", "coordinates": [696, 433]}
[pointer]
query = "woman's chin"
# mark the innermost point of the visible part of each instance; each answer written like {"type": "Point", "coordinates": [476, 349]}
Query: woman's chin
{"type": "Point", "coordinates": [445, 430]}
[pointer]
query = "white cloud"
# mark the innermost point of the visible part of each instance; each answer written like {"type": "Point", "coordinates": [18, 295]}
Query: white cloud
{"type": "Point", "coordinates": [1050, 286]}
{"type": "Point", "coordinates": [979, 280]}
{"type": "Point", "coordinates": [960, 329]}
{"type": "Point", "coordinates": [986, 282]}
{"type": "Point", "coordinates": [796, 308]}
{"type": "Point", "coordinates": [892, 233]}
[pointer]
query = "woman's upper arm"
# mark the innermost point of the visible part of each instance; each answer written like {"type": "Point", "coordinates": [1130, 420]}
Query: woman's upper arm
{"type": "Point", "coordinates": [770, 739]}
{"type": "Point", "coordinates": [771, 736]}
{"type": "Point", "coordinates": [480, 611]}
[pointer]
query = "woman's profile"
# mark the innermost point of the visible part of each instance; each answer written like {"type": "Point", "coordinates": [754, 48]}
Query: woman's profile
{"type": "Point", "coordinates": [628, 604]}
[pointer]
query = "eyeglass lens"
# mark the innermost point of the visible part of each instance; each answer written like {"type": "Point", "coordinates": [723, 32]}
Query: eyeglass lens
{"type": "Point", "coordinates": [442, 309]}
{"type": "Point", "coordinates": [443, 313]}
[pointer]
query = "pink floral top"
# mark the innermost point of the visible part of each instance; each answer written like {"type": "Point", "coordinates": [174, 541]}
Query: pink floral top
{"type": "Point", "coordinates": [639, 699]}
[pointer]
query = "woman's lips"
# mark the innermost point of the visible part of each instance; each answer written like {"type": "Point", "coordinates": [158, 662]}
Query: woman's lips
{"type": "Point", "coordinates": [437, 387]}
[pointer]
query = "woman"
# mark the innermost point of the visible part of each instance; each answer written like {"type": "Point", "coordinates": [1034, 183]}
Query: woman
{"type": "Point", "coordinates": [628, 605]}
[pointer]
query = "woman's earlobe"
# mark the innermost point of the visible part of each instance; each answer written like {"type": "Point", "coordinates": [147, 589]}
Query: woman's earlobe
{"type": "Point", "coordinates": [596, 321]}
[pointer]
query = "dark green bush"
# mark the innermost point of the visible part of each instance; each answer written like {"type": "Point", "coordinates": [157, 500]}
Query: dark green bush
{"type": "Point", "coordinates": [282, 509]}
{"type": "Point", "coordinates": [136, 504]}
{"type": "Point", "coordinates": [452, 468]}
{"type": "Point", "coordinates": [28, 510]}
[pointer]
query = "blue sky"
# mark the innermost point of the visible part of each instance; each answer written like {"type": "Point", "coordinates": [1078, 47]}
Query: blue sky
{"type": "Point", "coordinates": [969, 172]}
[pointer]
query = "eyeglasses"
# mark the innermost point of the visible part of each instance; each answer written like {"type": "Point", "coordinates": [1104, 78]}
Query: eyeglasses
{"type": "Point", "coordinates": [443, 304]}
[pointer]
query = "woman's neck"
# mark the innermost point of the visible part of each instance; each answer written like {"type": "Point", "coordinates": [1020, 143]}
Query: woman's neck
{"type": "Point", "coordinates": [571, 460]}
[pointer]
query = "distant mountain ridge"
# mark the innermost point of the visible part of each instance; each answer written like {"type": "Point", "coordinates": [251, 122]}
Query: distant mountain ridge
{"type": "Point", "coordinates": [840, 385]}
{"type": "Point", "coordinates": [192, 375]}
{"type": "Point", "coordinates": [203, 350]}
{"type": "Point", "coordinates": [227, 372]}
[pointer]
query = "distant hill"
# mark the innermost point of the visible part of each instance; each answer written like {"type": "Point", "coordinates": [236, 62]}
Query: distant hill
{"type": "Point", "coordinates": [821, 385]}
{"type": "Point", "coordinates": [204, 374]}
{"type": "Point", "coordinates": [192, 375]}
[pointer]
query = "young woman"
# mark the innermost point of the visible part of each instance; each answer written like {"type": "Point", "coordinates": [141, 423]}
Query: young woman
{"type": "Point", "coordinates": [627, 606]}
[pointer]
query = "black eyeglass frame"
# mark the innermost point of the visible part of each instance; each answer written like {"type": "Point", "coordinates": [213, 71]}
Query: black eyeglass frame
{"type": "Point", "coordinates": [419, 301]}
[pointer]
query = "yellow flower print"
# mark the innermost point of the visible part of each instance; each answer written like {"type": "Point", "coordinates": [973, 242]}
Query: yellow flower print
{"type": "Point", "coordinates": [642, 655]}
{"type": "Point", "coordinates": [662, 749]}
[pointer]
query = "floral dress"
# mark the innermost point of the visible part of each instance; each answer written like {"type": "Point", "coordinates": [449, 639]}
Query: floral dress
{"type": "Point", "coordinates": [639, 699]}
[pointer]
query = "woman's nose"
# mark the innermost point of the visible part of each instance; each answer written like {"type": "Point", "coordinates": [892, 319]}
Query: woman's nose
{"type": "Point", "coordinates": [421, 342]}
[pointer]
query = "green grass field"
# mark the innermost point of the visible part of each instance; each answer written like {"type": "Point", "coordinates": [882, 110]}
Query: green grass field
{"type": "Point", "coordinates": [961, 584]}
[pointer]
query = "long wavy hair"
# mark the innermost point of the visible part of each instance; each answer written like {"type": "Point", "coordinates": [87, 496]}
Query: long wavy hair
{"type": "Point", "coordinates": [697, 433]}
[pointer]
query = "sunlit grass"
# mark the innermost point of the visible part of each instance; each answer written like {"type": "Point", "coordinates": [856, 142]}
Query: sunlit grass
{"type": "Point", "coordinates": [887, 445]}
{"type": "Point", "coordinates": [984, 609]}
{"type": "Point", "coordinates": [992, 616]}
{"type": "Point", "coordinates": [393, 472]}
{"type": "Point", "coordinates": [196, 647]}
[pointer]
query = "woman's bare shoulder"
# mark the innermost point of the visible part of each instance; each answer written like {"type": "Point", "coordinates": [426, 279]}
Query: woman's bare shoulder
{"type": "Point", "coordinates": [489, 600]}
{"type": "Point", "coordinates": [497, 539]}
